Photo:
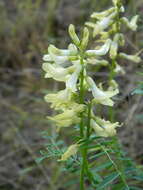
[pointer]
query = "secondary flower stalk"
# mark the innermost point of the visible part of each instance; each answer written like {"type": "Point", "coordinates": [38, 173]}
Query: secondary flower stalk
{"type": "Point", "coordinates": [108, 25]}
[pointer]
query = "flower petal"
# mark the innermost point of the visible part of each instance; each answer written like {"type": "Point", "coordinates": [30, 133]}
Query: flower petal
{"type": "Point", "coordinates": [102, 51]}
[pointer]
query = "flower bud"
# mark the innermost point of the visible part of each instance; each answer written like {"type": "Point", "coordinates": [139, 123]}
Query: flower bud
{"type": "Point", "coordinates": [85, 39]}
{"type": "Point", "coordinates": [73, 35]}
{"type": "Point", "coordinates": [72, 150]}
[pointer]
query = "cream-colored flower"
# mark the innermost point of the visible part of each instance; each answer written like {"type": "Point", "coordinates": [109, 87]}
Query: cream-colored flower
{"type": "Point", "coordinates": [100, 96]}
{"type": "Point", "coordinates": [102, 51]}
{"type": "Point", "coordinates": [61, 56]}
{"type": "Point", "coordinates": [131, 24]}
{"type": "Point", "coordinates": [56, 72]}
{"type": "Point", "coordinates": [104, 128]}
{"type": "Point", "coordinates": [117, 40]}
{"type": "Point", "coordinates": [102, 24]}
{"type": "Point", "coordinates": [68, 117]}
{"type": "Point", "coordinates": [71, 51]}
{"type": "Point", "coordinates": [135, 58]}
{"type": "Point", "coordinates": [60, 100]}
{"type": "Point", "coordinates": [101, 15]}
{"type": "Point", "coordinates": [72, 150]}
{"type": "Point", "coordinates": [99, 62]}
{"type": "Point", "coordinates": [71, 82]}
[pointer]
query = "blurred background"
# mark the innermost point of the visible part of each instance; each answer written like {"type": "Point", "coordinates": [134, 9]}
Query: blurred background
{"type": "Point", "coordinates": [26, 29]}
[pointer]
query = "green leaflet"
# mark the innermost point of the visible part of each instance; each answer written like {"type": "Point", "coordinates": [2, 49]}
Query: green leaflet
{"type": "Point", "coordinates": [103, 166]}
{"type": "Point", "coordinates": [108, 180]}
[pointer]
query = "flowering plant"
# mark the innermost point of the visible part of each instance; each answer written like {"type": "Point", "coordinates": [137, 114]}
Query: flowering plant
{"type": "Point", "coordinates": [70, 66]}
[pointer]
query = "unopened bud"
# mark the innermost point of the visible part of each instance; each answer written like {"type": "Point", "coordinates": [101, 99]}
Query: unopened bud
{"type": "Point", "coordinates": [73, 35]}
{"type": "Point", "coordinates": [85, 38]}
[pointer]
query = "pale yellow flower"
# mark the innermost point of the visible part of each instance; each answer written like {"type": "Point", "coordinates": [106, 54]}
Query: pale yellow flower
{"type": "Point", "coordinates": [98, 52]}
{"type": "Point", "coordinates": [131, 24]}
{"type": "Point", "coordinates": [99, 62]}
{"type": "Point", "coordinates": [135, 58]}
{"type": "Point", "coordinates": [59, 100]}
{"type": "Point", "coordinates": [104, 128]}
{"type": "Point", "coordinates": [72, 150]}
{"type": "Point", "coordinates": [54, 71]}
{"type": "Point", "coordinates": [61, 56]}
{"type": "Point", "coordinates": [117, 40]}
{"type": "Point", "coordinates": [102, 24]}
{"type": "Point", "coordinates": [71, 51]}
{"type": "Point", "coordinates": [101, 15]}
{"type": "Point", "coordinates": [71, 82]}
{"type": "Point", "coordinates": [68, 117]}
{"type": "Point", "coordinates": [100, 96]}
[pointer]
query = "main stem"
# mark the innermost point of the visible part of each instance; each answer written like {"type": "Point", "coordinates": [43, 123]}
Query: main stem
{"type": "Point", "coordinates": [83, 152]}
{"type": "Point", "coordinates": [84, 133]}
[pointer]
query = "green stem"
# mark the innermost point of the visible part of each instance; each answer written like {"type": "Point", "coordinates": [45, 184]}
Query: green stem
{"type": "Point", "coordinates": [111, 77]}
{"type": "Point", "coordinates": [82, 98]}
{"type": "Point", "coordinates": [88, 121]}
{"type": "Point", "coordinates": [84, 164]}
{"type": "Point", "coordinates": [82, 172]}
